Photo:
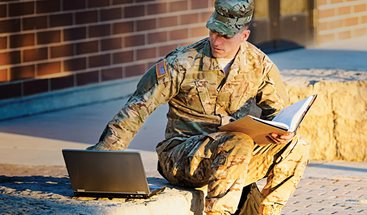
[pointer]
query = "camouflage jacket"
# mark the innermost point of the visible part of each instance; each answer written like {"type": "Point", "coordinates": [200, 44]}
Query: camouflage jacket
{"type": "Point", "coordinates": [199, 93]}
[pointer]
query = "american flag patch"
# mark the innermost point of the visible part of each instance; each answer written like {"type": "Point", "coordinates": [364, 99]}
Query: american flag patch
{"type": "Point", "coordinates": [161, 69]}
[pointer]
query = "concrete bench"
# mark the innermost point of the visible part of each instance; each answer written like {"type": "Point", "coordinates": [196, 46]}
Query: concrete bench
{"type": "Point", "coordinates": [44, 195]}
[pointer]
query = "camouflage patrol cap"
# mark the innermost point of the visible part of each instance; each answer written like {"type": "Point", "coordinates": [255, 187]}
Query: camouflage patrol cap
{"type": "Point", "coordinates": [230, 16]}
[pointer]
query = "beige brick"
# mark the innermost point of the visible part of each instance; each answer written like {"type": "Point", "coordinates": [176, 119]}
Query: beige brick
{"type": "Point", "coordinates": [359, 32]}
{"type": "Point", "coordinates": [345, 35]}
{"type": "Point", "coordinates": [326, 38]}
{"type": "Point", "coordinates": [344, 10]}
{"type": "Point", "coordinates": [351, 21]}
{"type": "Point", "coordinates": [360, 8]}
{"type": "Point", "coordinates": [327, 13]}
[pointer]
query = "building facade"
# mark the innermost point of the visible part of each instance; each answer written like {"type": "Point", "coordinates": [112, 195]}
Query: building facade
{"type": "Point", "coordinates": [51, 45]}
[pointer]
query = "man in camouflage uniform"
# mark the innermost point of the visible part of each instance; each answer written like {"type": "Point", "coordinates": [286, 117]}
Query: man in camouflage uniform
{"type": "Point", "coordinates": [205, 84]}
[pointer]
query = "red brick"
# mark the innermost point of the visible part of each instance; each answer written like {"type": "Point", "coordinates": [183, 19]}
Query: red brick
{"type": "Point", "coordinates": [48, 68]}
{"type": "Point", "coordinates": [168, 21]}
{"type": "Point", "coordinates": [22, 72]}
{"type": "Point", "coordinates": [123, 27]}
{"type": "Point", "coordinates": [164, 50]}
{"type": "Point", "coordinates": [75, 64]}
{"type": "Point", "coordinates": [10, 25]}
{"type": "Point", "coordinates": [98, 3]}
{"type": "Point", "coordinates": [8, 58]}
{"type": "Point", "coordinates": [123, 57]}
{"type": "Point", "coordinates": [195, 4]}
{"type": "Point", "coordinates": [189, 18]}
{"type": "Point", "coordinates": [62, 51]}
{"type": "Point", "coordinates": [3, 10]}
{"type": "Point", "coordinates": [3, 42]}
{"type": "Point", "coordinates": [85, 17]}
{"type": "Point", "coordinates": [61, 20]}
{"type": "Point", "coordinates": [157, 8]}
{"type": "Point", "coordinates": [178, 6]}
{"type": "Point", "coordinates": [134, 11]}
{"type": "Point", "coordinates": [87, 78]}
{"type": "Point", "coordinates": [11, 90]}
{"type": "Point", "coordinates": [205, 16]}
{"type": "Point", "coordinates": [3, 75]}
{"type": "Point", "coordinates": [47, 6]}
{"type": "Point", "coordinates": [21, 40]}
{"type": "Point", "coordinates": [30, 23]}
{"type": "Point", "coordinates": [121, 1]}
{"type": "Point", "coordinates": [99, 30]}
{"type": "Point", "coordinates": [86, 47]}
{"type": "Point", "coordinates": [110, 14]}
{"type": "Point", "coordinates": [62, 82]}
{"type": "Point", "coordinates": [34, 54]}
{"type": "Point", "coordinates": [137, 1]}
{"type": "Point", "coordinates": [134, 70]}
{"type": "Point", "coordinates": [20, 9]}
{"type": "Point", "coordinates": [75, 33]}
{"type": "Point", "coordinates": [47, 37]}
{"type": "Point", "coordinates": [73, 4]}
{"type": "Point", "coordinates": [111, 74]}
{"type": "Point", "coordinates": [157, 37]}
{"type": "Point", "coordinates": [146, 53]}
{"type": "Point", "coordinates": [135, 40]}
{"type": "Point", "coordinates": [147, 24]}
{"type": "Point", "coordinates": [99, 60]}
{"type": "Point", "coordinates": [150, 64]}
{"type": "Point", "coordinates": [198, 32]}
{"type": "Point", "coordinates": [35, 86]}
{"type": "Point", "coordinates": [110, 44]}
{"type": "Point", "coordinates": [178, 34]}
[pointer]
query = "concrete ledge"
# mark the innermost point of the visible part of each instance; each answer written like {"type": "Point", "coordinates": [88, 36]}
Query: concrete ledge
{"type": "Point", "coordinates": [61, 99]}
{"type": "Point", "coordinates": [337, 122]}
{"type": "Point", "coordinates": [54, 194]}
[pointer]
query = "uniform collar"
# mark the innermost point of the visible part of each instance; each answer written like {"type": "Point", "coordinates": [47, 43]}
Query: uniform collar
{"type": "Point", "coordinates": [210, 63]}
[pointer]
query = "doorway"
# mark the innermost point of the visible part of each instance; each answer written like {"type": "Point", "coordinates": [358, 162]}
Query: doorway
{"type": "Point", "coordinates": [281, 25]}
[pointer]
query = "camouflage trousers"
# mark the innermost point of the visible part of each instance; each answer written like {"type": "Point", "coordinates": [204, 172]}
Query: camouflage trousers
{"type": "Point", "coordinates": [226, 162]}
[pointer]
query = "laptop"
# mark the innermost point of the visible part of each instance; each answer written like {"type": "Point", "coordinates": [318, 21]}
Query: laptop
{"type": "Point", "coordinates": [107, 174]}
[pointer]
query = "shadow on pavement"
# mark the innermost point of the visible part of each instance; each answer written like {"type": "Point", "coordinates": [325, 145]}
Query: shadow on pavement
{"type": "Point", "coordinates": [337, 167]}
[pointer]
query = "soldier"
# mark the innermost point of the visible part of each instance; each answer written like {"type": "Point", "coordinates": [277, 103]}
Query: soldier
{"type": "Point", "coordinates": [206, 84]}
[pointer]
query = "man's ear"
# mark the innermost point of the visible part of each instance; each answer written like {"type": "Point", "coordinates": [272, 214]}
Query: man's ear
{"type": "Point", "coordinates": [246, 34]}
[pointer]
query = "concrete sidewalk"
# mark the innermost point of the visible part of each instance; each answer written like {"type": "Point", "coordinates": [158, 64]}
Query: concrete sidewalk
{"type": "Point", "coordinates": [327, 187]}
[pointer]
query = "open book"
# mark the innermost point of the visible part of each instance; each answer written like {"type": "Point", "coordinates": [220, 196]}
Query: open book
{"type": "Point", "coordinates": [287, 120]}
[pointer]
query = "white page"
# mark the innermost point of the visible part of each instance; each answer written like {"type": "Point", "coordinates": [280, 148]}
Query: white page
{"type": "Point", "coordinates": [292, 114]}
{"type": "Point", "coordinates": [274, 123]}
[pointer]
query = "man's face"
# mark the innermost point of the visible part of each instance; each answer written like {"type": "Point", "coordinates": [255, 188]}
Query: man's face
{"type": "Point", "coordinates": [225, 47]}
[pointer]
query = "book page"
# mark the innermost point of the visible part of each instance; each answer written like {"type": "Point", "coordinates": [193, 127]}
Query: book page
{"type": "Point", "coordinates": [292, 114]}
{"type": "Point", "coordinates": [274, 123]}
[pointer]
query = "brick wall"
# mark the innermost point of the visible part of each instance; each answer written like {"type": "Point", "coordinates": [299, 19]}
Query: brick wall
{"type": "Point", "coordinates": [48, 45]}
{"type": "Point", "coordinates": [340, 19]}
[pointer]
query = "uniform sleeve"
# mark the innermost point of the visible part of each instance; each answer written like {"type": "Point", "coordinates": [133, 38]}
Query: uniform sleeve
{"type": "Point", "coordinates": [156, 87]}
{"type": "Point", "coordinates": [271, 96]}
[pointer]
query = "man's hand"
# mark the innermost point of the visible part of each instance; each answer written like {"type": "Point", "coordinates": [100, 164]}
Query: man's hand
{"type": "Point", "coordinates": [281, 138]}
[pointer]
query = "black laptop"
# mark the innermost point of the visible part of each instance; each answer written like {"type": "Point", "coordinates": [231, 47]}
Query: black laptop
{"type": "Point", "coordinates": [107, 174]}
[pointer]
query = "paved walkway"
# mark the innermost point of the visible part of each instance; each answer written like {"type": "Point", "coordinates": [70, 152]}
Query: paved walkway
{"type": "Point", "coordinates": [327, 187]}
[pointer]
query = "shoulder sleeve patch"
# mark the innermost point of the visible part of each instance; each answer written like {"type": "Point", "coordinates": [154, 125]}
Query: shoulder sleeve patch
{"type": "Point", "coordinates": [161, 69]}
